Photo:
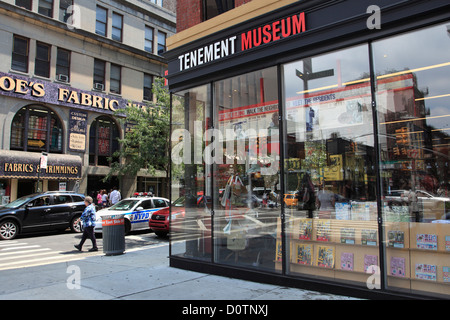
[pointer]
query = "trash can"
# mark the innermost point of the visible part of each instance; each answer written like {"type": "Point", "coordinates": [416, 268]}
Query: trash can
{"type": "Point", "coordinates": [113, 230]}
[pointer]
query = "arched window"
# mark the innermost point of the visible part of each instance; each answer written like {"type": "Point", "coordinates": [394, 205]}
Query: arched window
{"type": "Point", "coordinates": [103, 141]}
{"type": "Point", "coordinates": [36, 129]}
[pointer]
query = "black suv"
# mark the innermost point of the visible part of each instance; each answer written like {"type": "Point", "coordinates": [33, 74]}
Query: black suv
{"type": "Point", "coordinates": [41, 211]}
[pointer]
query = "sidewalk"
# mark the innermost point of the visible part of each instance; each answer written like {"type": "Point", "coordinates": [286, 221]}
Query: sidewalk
{"type": "Point", "coordinates": [141, 274]}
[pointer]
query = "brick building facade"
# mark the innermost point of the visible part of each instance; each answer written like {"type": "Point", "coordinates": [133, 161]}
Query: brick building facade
{"type": "Point", "coordinates": [191, 12]}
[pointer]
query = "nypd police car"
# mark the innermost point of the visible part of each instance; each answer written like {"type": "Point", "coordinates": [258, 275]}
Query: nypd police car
{"type": "Point", "coordinates": [137, 212]}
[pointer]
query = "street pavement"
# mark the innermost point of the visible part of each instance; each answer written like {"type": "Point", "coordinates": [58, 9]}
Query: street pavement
{"type": "Point", "coordinates": [142, 273]}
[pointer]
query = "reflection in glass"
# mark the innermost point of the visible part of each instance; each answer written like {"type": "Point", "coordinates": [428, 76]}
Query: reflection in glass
{"type": "Point", "coordinates": [191, 192]}
{"type": "Point", "coordinates": [226, 165]}
{"type": "Point", "coordinates": [247, 187]}
{"type": "Point", "coordinates": [413, 101]}
{"type": "Point", "coordinates": [330, 199]}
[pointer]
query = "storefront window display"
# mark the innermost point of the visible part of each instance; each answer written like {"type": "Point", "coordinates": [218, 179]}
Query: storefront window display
{"type": "Point", "coordinates": [246, 173]}
{"type": "Point", "coordinates": [36, 129]}
{"type": "Point", "coordinates": [330, 198]}
{"type": "Point", "coordinates": [412, 76]}
{"type": "Point", "coordinates": [342, 179]}
{"type": "Point", "coordinates": [103, 141]}
{"type": "Point", "coordinates": [191, 190]}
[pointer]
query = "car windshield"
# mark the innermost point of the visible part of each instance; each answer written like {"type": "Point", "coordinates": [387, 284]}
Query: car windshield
{"type": "Point", "coordinates": [124, 205]}
{"type": "Point", "coordinates": [18, 202]}
{"type": "Point", "coordinates": [179, 202]}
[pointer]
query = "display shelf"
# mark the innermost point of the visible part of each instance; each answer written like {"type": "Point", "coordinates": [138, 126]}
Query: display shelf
{"type": "Point", "coordinates": [406, 247]}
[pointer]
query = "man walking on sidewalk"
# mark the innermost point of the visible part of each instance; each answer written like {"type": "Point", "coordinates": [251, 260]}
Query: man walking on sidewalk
{"type": "Point", "coordinates": [88, 220]}
{"type": "Point", "coordinates": [115, 196]}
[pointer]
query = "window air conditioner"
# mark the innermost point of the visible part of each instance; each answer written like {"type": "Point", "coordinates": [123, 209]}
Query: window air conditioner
{"type": "Point", "coordinates": [62, 78]}
{"type": "Point", "coordinates": [99, 86]}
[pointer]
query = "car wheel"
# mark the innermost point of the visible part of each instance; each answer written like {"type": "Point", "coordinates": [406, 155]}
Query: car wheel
{"type": "Point", "coordinates": [161, 234]}
{"type": "Point", "coordinates": [127, 226]}
{"type": "Point", "coordinates": [8, 230]}
{"type": "Point", "coordinates": [75, 225]}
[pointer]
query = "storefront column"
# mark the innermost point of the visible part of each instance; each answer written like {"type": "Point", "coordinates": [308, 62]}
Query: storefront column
{"type": "Point", "coordinates": [128, 186]}
{"type": "Point", "coordinates": [14, 186]}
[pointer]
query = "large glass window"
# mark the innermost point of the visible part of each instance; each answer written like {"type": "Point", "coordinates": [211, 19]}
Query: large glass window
{"type": "Point", "coordinates": [115, 79]}
{"type": "Point", "coordinates": [346, 215]}
{"type": "Point", "coordinates": [42, 61]}
{"type": "Point", "coordinates": [101, 22]}
{"type": "Point", "coordinates": [161, 42]}
{"type": "Point", "coordinates": [413, 102]}
{"type": "Point", "coordinates": [330, 182]}
{"type": "Point", "coordinates": [37, 129]}
{"type": "Point", "coordinates": [148, 84]}
{"type": "Point", "coordinates": [117, 26]}
{"type": "Point", "coordinates": [103, 141]}
{"type": "Point", "coordinates": [99, 74]}
{"type": "Point", "coordinates": [19, 57]}
{"type": "Point", "coordinates": [148, 46]}
{"type": "Point", "coordinates": [191, 177]}
{"type": "Point", "coordinates": [246, 170]}
{"type": "Point", "coordinates": [46, 8]}
{"type": "Point", "coordinates": [64, 6]}
{"type": "Point", "coordinates": [63, 65]}
{"type": "Point", "coordinates": [27, 4]}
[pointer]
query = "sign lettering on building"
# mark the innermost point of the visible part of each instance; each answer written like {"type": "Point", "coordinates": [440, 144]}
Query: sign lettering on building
{"type": "Point", "coordinates": [53, 93]}
{"type": "Point", "coordinates": [77, 130]}
{"type": "Point", "coordinates": [271, 32]}
{"type": "Point", "coordinates": [23, 169]}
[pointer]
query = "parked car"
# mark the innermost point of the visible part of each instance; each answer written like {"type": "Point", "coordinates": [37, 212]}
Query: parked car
{"type": "Point", "coordinates": [41, 211]}
{"type": "Point", "coordinates": [159, 222]}
{"type": "Point", "coordinates": [434, 208]}
{"type": "Point", "coordinates": [137, 210]}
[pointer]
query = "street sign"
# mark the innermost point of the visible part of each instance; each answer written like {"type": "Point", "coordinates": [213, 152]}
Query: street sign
{"type": "Point", "coordinates": [36, 143]}
{"type": "Point", "coordinates": [43, 164]}
{"type": "Point", "coordinates": [314, 75]}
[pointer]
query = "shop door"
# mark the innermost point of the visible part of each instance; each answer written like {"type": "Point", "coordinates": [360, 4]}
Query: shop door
{"type": "Point", "coordinates": [26, 187]}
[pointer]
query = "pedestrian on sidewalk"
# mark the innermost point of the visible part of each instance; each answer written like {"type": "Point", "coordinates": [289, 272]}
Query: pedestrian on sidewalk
{"type": "Point", "coordinates": [104, 198]}
{"type": "Point", "coordinates": [115, 196]}
{"type": "Point", "coordinates": [88, 220]}
{"type": "Point", "coordinates": [99, 199]}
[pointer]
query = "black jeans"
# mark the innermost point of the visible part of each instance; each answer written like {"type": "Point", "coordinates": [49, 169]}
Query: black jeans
{"type": "Point", "coordinates": [88, 232]}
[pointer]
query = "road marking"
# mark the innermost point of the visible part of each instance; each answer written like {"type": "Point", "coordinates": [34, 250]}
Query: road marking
{"type": "Point", "coordinates": [10, 243]}
{"type": "Point", "coordinates": [21, 255]}
{"type": "Point", "coordinates": [21, 252]}
{"type": "Point", "coordinates": [63, 258]}
{"type": "Point", "coordinates": [35, 254]}
{"type": "Point", "coordinates": [20, 248]}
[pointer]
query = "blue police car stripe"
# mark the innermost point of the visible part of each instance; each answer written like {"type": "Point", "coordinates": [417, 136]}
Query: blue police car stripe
{"type": "Point", "coordinates": [141, 216]}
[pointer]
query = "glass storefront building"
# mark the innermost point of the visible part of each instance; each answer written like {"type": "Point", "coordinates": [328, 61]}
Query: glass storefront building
{"type": "Point", "coordinates": [318, 159]}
